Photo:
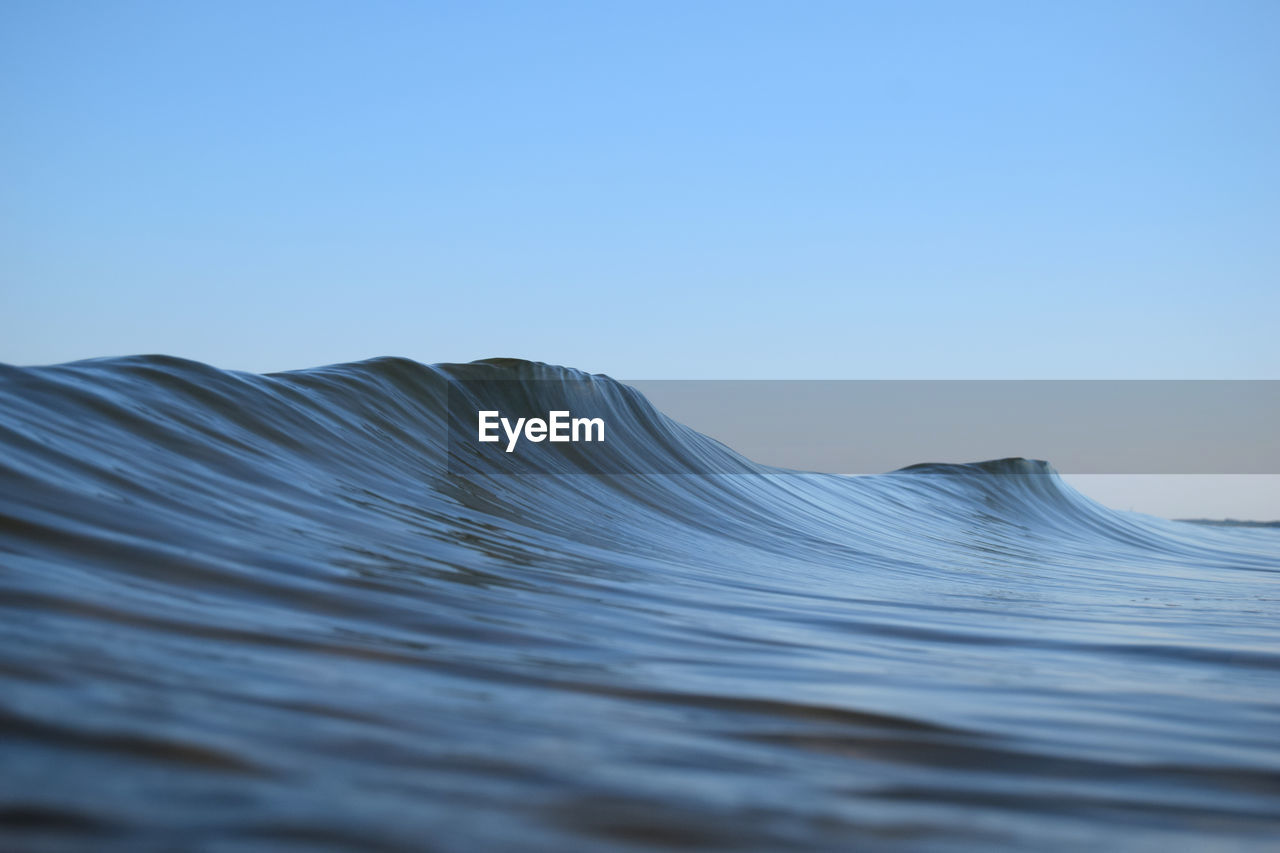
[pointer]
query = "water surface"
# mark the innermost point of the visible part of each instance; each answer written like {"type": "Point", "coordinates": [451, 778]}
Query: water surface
{"type": "Point", "coordinates": [250, 612]}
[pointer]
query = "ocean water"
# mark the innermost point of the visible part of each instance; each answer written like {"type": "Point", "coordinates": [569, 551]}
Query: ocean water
{"type": "Point", "coordinates": [291, 611]}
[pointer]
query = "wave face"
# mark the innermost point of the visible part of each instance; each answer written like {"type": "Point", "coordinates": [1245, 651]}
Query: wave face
{"type": "Point", "coordinates": [259, 612]}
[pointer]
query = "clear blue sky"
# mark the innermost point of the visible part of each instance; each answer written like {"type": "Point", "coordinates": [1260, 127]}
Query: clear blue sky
{"type": "Point", "coordinates": [702, 190]}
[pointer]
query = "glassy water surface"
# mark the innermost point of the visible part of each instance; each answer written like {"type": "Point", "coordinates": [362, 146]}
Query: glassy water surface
{"type": "Point", "coordinates": [243, 612]}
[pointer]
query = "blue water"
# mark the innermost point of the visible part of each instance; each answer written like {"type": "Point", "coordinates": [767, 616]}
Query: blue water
{"type": "Point", "coordinates": [267, 612]}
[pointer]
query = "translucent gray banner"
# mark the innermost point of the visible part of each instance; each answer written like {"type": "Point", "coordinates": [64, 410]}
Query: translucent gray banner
{"type": "Point", "coordinates": [863, 426]}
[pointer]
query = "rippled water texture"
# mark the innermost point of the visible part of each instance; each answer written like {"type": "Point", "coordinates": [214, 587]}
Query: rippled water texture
{"type": "Point", "coordinates": [252, 612]}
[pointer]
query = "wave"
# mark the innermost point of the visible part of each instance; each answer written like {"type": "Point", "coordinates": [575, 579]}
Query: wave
{"type": "Point", "coordinates": [303, 609]}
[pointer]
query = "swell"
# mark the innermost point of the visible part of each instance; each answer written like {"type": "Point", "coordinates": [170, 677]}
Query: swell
{"type": "Point", "coordinates": [292, 608]}
{"type": "Point", "coordinates": [383, 420]}
{"type": "Point", "coordinates": [139, 426]}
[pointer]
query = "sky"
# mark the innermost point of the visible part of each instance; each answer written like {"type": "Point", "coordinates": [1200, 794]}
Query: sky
{"type": "Point", "coordinates": [649, 190]}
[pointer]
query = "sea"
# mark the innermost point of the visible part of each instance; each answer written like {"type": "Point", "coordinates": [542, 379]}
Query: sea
{"type": "Point", "coordinates": [306, 611]}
